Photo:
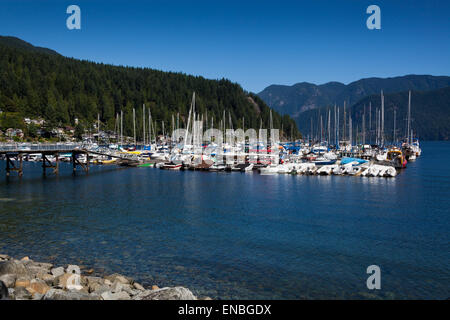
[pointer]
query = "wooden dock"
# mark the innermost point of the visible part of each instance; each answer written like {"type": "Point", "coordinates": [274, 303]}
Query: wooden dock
{"type": "Point", "coordinates": [46, 150]}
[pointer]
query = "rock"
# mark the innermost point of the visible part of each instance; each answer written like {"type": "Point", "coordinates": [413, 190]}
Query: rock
{"type": "Point", "coordinates": [25, 259]}
{"type": "Point", "coordinates": [90, 271]}
{"type": "Point", "coordinates": [43, 265]}
{"type": "Point", "coordinates": [38, 286]}
{"type": "Point", "coordinates": [57, 272]}
{"type": "Point", "coordinates": [4, 293]}
{"type": "Point", "coordinates": [37, 296]}
{"type": "Point", "coordinates": [205, 298]}
{"type": "Point", "coordinates": [4, 257]}
{"type": "Point", "coordinates": [155, 287]}
{"type": "Point", "coordinates": [48, 278]}
{"type": "Point", "coordinates": [94, 283]}
{"type": "Point", "coordinates": [9, 280]}
{"type": "Point", "coordinates": [173, 293]}
{"type": "Point", "coordinates": [117, 286]}
{"type": "Point", "coordinates": [20, 293]}
{"type": "Point", "coordinates": [74, 269]}
{"type": "Point", "coordinates": [22, 282]}
{"type": "Point", "coordinates": [107, 282]}
{"type": "Point", "coordinates": [100, 289]}
{"type": "Point", "coordinates": [35, 270]}
{"type": "Point", "coordinates": [58, 294]}
{"type": "Point", "coordinates": [137, 286]}
{"type": "Point", "coordinates": [115, 296]}
{"type": "Point", "coordinates": [13, 267]}
{"type": "Point", "coordinates": [118, 277]}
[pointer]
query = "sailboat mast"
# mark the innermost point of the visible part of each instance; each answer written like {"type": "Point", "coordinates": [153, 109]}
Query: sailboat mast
{"type": "Point", "coordinates": [143, 124]}
{"type": "Point", "coordinates": [382, 118]}
{"type": "Point", "coordinates": [134, 126]}
{"type": "Point", "coordinates": [121, 127]}
{"type": "Point", "coordinates": [409, 117]}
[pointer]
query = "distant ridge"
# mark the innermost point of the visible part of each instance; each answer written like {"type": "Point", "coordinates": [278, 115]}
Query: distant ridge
{"type": "Point", "coordinates": [300, 97]}
{"type": "Point", "coordinates": [14, 42]}
{"type": "Point", "coordinates": [430, 113]}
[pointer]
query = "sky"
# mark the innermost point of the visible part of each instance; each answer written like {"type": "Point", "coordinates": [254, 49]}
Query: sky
{"type": "Point", "coordinates": [253, 43]}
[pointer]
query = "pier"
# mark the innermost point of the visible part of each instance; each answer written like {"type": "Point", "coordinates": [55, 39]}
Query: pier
{"type": "Point", "coordinates": [19, 152]}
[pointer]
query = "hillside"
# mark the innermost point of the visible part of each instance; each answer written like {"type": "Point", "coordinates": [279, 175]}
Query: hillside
{"type": "Point", "coordinates": [430, 112]}
{"type": "Point", "coordinates": [294, 100]}
{"type": "Point", "coordinates": [14, 42]}
{"type": "Point", "coordinates": [38, 82]}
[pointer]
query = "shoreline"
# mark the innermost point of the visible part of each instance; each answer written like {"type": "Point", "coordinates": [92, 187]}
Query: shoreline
{"type": "Point", "coordinates": [26, 279]}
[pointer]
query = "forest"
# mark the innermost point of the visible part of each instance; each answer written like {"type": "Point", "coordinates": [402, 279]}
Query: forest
{"type": "Point", "coordinates": [43, 84]}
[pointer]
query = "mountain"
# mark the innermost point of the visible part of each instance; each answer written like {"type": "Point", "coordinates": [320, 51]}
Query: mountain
{"type": "Point", "coordinates": [430, 113]}
{"type": "Point", "coordinates": [300, 97]}
{"type": "Point", "coordinates": [38, 82]}
{"type": "Point", "coordinates": [14, 42]}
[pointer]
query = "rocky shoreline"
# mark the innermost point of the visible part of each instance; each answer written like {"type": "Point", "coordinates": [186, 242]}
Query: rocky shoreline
{"type": "Point", "coordinates": [26, 279]}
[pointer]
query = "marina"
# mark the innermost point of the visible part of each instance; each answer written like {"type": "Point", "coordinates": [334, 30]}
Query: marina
{"type": "Point", "coordinates": [197, 147]}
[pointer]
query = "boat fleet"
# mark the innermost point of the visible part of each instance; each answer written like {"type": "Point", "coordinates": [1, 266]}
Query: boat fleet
{"type": "Point", "coordinates": [195, 150]}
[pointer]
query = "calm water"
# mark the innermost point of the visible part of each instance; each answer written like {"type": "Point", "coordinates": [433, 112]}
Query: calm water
{"type": "Point", "coordinates": [237, 235]}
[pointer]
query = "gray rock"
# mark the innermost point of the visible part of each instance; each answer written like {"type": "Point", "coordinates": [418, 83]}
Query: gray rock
{"type": "Point", "coordinates": [117, 286]}
{"type": "Point", "coordinates": [37, 296]}
{"type": "Point", "coordinates": [4, 257]}
{"type": "Point", "coordinates": [8, 279]}
{"type": "Point", "coordinates": [108, 295]}
{"type": "Point", "coordinates": [20, 293]}
{"type": "Point", "coordinates": [137, 286]}
{"type": "Point", "coordinates": [57, 272]}
{"type": "Point", "coordinates": [35, 270]}
{"type": "Point", "coordinates": [172, 293]}
{"type": "Point", "coordinates": [100, 289]}
{"type": "Point", "coordinates": [43, 265]}
{"type": "Point", "coordinates": [71, 268]}
{"type": "Point", "coordinates": [118, 277]}
{"type": "Point", "coordinates": [13, 267]}
{"type": "Point", "coordinates": [58, 294]}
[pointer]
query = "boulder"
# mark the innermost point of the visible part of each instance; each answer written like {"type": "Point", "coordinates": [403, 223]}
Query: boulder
{"type": "Point", "coordinates": [48, 278]}
{"type": "Point", "coordinates": [4, 292]}
{"type": "Point", "coordinates": [108, 295]}
{"type": "Point", "coordinates": [13, 267]}
{"type": "Point", "coordinates": [172, 293]}
{"type": "Point", "coordinates": [35, 270]}
{"type": "Point", "coordinates": [137, 286]}
{"type": "Point", "coordinates": [58, 294]}
{"type": "Point", "coordinates": [38, 286]}
{"type": "Point", "coordinates": [22, 282]}
{"type": "Point", "coordinates": [100, 289]}
{"type": "Point", "coordinates": [9, 280]}
{"type": "Point", "coordinates": [118, 277]}
{"type": "Point", "coordinates": [20, 293]}
{"type": "Point", "coordinates": [57, 272]}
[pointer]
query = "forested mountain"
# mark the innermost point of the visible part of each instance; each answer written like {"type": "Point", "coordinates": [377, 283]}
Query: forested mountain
{"type": "Point", "coordinates": [300, 97]}
{"type": "Point", "coordinates": [38, 82]}
{"type": "Point", "coordinates": [430, 113]}
{"type": "Point", "coordinates": [18, 43]}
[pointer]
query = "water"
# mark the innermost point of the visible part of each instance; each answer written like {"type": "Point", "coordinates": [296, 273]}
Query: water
{"type": "Point", "coordinates": [236, 235]}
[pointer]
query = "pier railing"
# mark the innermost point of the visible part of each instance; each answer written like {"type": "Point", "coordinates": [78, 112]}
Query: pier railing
{"type": "Point", "coordinates": [17, 147]}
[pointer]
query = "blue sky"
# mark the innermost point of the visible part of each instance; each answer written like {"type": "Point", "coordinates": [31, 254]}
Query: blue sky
{"type": "Point", "coordinates": [254, 43]}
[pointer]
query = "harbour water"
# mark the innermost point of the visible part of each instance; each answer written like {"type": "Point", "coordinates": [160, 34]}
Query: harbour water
{"type": "Point", "coordinates": [241, 235]}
